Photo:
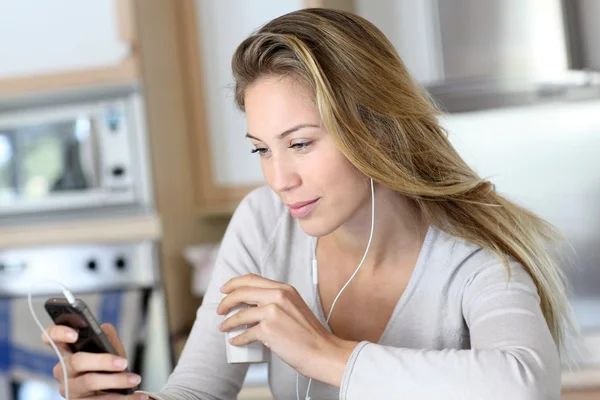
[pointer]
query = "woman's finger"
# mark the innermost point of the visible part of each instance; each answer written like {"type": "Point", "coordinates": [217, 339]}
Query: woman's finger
{"type": "Point", "coordinates": [255, 296]}
{"type": "Point", "coordinates": [61, 336]}
{"type": "Point", "coordinates": [111, 333]}
{"type": "Point", "coordinates": [247, 316]}
{"type": "Point", "coordinates": [82, 362]}
{"type": "Point", "coordinates": [97, 381]}
{"type": "Point", "coordinates": [73, 394]}
{"type": "Point", "coordinates": [116, 396]}
{"type": "Point", "coordinates": [268, 317]}
{"type": "Point", "coordinates": [244, 295]}
{"type": "Point", "coordinates": [250, 335]}
{"type": "Point", "coordinates": [60, 333]}
{"type": "Point", "coordinates": [251, 280]}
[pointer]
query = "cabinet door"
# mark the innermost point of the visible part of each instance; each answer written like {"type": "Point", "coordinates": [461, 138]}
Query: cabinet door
{"type": "Point", "coordinates": [212, 31]}
{"type": "Point", "coordinates": [43, 42]}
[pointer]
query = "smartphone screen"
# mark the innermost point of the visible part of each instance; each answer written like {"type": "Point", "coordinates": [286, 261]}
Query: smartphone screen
{"type": "Point", "coordinates": [91, 338]}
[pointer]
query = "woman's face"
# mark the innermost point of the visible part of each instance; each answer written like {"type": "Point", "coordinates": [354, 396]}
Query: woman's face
{"type": "Point", "coordinates": [299, 159]}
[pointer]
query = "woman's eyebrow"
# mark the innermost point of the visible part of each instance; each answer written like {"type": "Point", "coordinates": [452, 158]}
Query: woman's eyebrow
{"type": "Point", "coordinates": [287, 131]}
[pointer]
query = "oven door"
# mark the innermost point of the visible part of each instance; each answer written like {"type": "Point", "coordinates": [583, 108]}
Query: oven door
{"type": "Point", "coordinates": [69, 157]}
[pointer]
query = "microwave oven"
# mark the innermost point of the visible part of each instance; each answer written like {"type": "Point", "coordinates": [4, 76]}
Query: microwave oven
{"type": "Point", "coordinates": [72, 156]}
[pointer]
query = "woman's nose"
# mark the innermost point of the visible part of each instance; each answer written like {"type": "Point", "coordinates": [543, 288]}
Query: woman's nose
{"type": "Point", "coordinates": [283, 176]}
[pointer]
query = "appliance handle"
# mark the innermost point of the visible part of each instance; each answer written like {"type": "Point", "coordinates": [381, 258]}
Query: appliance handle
{"type": "Point", "coordinates": [94, 161]}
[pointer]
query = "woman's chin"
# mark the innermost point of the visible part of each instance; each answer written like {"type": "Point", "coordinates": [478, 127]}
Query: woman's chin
{"type": "Point", "coordinates": [315, 227]}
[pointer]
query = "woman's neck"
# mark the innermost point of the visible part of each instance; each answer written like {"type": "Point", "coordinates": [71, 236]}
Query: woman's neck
{"type": "Point", "coordinates": [399, 232]}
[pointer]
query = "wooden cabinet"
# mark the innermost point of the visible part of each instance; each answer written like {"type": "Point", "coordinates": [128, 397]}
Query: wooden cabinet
{"type": "Point", "coordinates": [210, 33]}
{"type": "Point", "coordinates": [65, 44]}
{"type": "Point", "coordinates": [581, 395]}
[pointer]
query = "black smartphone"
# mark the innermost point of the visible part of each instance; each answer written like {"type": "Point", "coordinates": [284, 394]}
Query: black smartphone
{"type": "Point", "coordinates": [91, 338]}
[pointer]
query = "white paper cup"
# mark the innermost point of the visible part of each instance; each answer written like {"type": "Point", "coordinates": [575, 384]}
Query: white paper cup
{"type": "Point", "coordinates": [251, 353]}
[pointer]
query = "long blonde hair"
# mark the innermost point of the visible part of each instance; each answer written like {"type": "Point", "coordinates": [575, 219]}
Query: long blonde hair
{"type": "Point", "coordinates": [387, 126]}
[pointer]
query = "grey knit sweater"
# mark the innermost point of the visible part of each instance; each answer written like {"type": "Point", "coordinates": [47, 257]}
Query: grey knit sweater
{"type": "Point", "coordinates": [461, 330]}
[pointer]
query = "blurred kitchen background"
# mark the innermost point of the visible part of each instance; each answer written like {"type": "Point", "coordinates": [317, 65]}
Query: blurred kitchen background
{"type": "Point", "coordinates": [122, 155]}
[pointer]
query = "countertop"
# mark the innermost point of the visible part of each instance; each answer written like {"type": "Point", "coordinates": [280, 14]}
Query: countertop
{"type": "Point", "coordinates": [582, 379]}
{"type": "Point", "coordinates": [261, 392]}
{"type": "Point", "coordinates": [578, 382]}
{"type": "Point", "coordinates": [119, 228]}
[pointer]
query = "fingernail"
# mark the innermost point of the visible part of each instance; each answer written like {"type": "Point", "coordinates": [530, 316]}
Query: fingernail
{"type": "Point", "coordinates": [135, 379]}
{"type": "Point", "coordinates": [144, 397]}
{"type": "Point", "coordinates": [120, 363]}
{"type": "Point", "coordinates": [71, 335]}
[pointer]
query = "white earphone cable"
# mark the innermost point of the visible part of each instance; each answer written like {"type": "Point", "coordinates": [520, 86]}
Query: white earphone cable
{"type": "Point", "coordinates": [364, 255]}
{"type": "Point", "coordinates": [315, 279]}
{"type": "Point", "coordinates": [71, 299]}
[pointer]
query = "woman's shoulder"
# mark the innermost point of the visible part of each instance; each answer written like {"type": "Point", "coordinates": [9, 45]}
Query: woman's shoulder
{"type": "Point", "coordinates": [258, 216]}
{"type": "Point", "coordinates": [264, 202]}
{"type": "Point", "coordinates": [263, 228]}
{"type": "Point", "coordinates": [261, 207]}
{"type": "Point", "coordinates": [463, 260]}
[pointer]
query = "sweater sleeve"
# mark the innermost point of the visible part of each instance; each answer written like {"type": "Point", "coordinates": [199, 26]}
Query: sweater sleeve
{"type": "Point", "coordinates": [202, 372]}
{"type": "Point", "coordinates": [512, 354]}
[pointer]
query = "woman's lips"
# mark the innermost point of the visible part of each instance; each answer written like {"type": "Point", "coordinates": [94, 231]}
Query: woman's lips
{"type": "Point", "coordinates": [302, 209]}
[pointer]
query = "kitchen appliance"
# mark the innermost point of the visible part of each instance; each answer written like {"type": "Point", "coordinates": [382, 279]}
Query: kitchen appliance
{"type": "Point", "coordinates": [121, 278]}
{"type": "Point", "coordinates": [73, 154]}
{"type": "Point", "coordinates": [473, 54]}
{"type": "Point", "coordinates": [502, 53]}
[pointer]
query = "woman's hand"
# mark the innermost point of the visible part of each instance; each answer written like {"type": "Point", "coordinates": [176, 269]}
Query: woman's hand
{"type": "Point", "coordinates": [286, 325]}
{"type": "Point", "coordinates": [87, 371]}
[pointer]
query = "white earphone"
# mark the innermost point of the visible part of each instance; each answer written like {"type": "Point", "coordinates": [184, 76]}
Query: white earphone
{"type": "Point", "coordinates": [71, 299]}
{"type": "Point", "coordinates": [315, 275]}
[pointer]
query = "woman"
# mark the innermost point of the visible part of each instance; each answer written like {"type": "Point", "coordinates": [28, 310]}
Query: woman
{"type": "Point", "coordinates": [455, 296]}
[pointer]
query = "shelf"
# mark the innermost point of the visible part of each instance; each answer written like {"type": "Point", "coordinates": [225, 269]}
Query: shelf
{"type": "Point", "coordinates": [255, 393]}
{"type": "Point", "coordinates": [223, 209]}
{"type": "Point", "coordinates": [575, 393]}
{"type": "Point", "coordinates": [122, 229]}
{"type": "Point", "coordinates": [125, 72]}
{"type": "Point", "coordinates": [582, 379]}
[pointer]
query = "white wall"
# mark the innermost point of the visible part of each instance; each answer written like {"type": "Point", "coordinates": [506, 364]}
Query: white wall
{"type": "Point", "coordinates": [223, 25]}
{"type": "Point", "coordinates": [547, 158]}
{"type": "Point", "coordinates": [39, 36]}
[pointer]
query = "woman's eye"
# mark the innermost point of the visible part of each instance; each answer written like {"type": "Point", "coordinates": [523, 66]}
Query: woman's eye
{"type": "Point", "coordinates": [260, 150]}
{"type": "Point", "coordinates": [300, 146]}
